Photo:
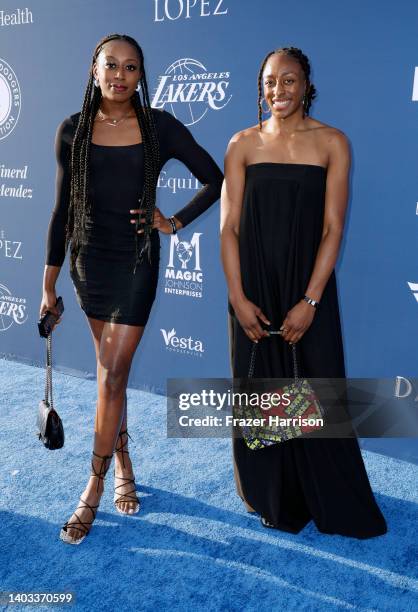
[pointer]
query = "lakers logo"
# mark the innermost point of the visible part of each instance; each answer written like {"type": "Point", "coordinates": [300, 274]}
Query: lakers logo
{"type": "Point", "coordinates": [188, 90]}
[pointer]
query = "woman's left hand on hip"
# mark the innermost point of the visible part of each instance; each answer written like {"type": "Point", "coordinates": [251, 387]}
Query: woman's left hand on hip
{"type": "Point", "coordinates": [160, 222]}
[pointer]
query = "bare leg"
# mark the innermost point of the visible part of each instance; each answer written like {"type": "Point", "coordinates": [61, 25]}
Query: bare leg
{"type": "Point", "coordinates": [123, 464]}
{"type": "Point", "coordinates": [115, 352]}
{"type": "Point", "coordinates": [125, 498]}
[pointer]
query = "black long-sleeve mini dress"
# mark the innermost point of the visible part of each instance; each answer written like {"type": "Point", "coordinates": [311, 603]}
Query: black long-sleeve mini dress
{"type": "Point", "coordinates": [107, 285]}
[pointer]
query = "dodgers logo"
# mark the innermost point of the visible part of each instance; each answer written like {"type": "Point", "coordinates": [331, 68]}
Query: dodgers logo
{"type": "Point", "coordinates": [10, 99]}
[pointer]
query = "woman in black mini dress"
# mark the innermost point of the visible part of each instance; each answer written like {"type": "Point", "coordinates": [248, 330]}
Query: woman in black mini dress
{"type": "Point", "coordinates": [109, 158]}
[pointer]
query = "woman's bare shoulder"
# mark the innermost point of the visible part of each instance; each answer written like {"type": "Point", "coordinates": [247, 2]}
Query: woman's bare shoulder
{"type": "Point", "coordinates": [244, 140]}
{"type": "Point", "coordinates": [331, 141]}
{"type": "Point", "coordinates": [326, 132]}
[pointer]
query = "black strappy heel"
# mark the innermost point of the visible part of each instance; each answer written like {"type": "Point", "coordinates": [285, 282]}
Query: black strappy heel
{"type": "Point", "coordinates": [130, 496]}
{"type": "Point", "coordinates": [84, 526]}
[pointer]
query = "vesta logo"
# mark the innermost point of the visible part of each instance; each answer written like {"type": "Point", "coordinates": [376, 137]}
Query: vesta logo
{"type": "Point", "coordinates": [189, 90]}
{"type": "Point", "coordinates": [182, 345]}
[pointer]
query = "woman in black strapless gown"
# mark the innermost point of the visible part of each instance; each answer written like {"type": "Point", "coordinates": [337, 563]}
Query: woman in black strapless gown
{"type": "Point", "coordinates": [283, 209]}
{"type": "Point", "coordinates": [109, 159]}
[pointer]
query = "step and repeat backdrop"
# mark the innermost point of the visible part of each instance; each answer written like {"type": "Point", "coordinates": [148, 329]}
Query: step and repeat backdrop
{"type": "Point", "coordinates": [202, 60]}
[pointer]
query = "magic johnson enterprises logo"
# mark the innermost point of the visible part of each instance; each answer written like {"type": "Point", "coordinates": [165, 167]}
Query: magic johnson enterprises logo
{"type": "Point", "coordinates": [186, 9]}
{"type": "Point", "coordinates": [188, 90]}
{"type": "Point", "coordinates": [10, 249]}
{"type": "Point", "coordinates": [12, 309]}
{"type": "Point", "coordinates": [10, 99]}
{"type": "Point", "coordinates": [177, 344]}
{"type": "Point", "coordinates": [183, 274]}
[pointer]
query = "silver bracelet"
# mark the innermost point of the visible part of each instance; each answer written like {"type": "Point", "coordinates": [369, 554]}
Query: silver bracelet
{"type": "Point", "coordinates": [310, 301]}
{"type": "Point", "coordinates": [173, 225]}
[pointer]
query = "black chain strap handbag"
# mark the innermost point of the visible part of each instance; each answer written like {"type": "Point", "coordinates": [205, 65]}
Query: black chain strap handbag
{"type": "Point", "coordinates": [302, 405]}
{"type": "Point", "coordinates": [273, 332]}
{"type": "Point", "coordinates": [50, 427]}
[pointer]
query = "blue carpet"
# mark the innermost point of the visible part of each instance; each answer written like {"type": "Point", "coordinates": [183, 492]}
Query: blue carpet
{"type": "Point", "coordinates": [192, 547]}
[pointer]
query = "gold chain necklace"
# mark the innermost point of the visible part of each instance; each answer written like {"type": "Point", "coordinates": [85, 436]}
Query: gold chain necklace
{"type": "Point", "coordinates": [112, 122]}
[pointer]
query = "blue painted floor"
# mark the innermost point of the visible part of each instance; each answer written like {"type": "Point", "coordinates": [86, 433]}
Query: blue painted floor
{"type": "Point", "coordinates": [192, 546]}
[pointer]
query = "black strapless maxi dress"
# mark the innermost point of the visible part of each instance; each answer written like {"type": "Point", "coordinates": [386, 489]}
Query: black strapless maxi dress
{"type": "Point", "coordinates": [302, 479]}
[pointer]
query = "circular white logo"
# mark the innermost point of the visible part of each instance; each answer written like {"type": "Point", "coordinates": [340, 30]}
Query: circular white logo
{"type": "Point", "coordinates": [10, 99]}
{"type": "Point", "coordinates": [188, 90]}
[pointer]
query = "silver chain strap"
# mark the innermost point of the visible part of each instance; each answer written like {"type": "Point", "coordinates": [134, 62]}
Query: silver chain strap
{"type": "Point", "coordinates": [252, 360]}
{"type": "Point", "coordinates": [254, 353]}
{"type": "Point", "coordinates": [295, 363]}
{"type": "Point", "coordinates": [48, 383]}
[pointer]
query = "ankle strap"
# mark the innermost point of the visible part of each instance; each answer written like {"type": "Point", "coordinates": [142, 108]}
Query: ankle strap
{"type": "Point", "coordinates": [122, 433]}
{"type": "Point", "coordinates": [121, 448]}
{"type": "Point", "coordinates": [103, 467]}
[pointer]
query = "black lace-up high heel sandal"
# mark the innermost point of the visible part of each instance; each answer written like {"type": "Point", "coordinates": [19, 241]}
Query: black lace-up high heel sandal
{"type": "Point", "coordinates": [130, 496]}
{"type": "Point", "coordinates": [100, 469]}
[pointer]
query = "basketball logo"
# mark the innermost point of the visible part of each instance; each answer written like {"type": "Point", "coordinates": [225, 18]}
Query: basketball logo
{"type": "Point", "coordinates": [188, 91]}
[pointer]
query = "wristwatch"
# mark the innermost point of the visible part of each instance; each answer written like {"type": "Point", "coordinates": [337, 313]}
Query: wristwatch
{"type": "Point", "coordinates": [310, 301]}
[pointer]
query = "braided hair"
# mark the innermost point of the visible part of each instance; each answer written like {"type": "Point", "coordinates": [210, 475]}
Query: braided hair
{"type": "Point", "coordinates": [80, 206]}
{"type": "Point", "coordinates": [304, 63]}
